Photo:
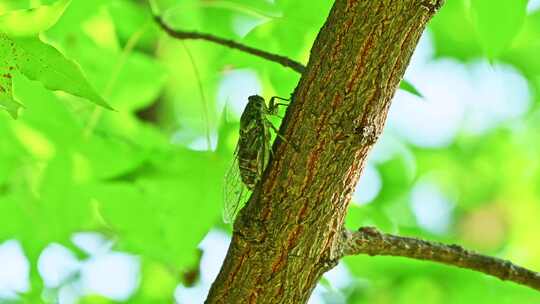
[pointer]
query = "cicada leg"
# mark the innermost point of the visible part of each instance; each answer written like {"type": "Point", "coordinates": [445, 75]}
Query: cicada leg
{"type": "Point", "coordinates": [273, 106]}
{"type": "Point", "coordinates": [281, 136]}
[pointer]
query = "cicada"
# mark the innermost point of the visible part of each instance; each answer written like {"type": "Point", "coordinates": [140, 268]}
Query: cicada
{"type": "Point", "coordinates": [251, 155]}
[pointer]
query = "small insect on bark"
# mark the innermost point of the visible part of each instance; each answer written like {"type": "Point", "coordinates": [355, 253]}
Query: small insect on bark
{"type": "Point", "coordinates": [251, 155]}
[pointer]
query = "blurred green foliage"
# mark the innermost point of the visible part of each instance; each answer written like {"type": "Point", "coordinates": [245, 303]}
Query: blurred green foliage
{"type": "Point", "coordinates": [68, 165]}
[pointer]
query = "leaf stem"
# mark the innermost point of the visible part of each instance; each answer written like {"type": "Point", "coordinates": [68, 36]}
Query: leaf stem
{"type": "Point", "coordinates": [126, 51]}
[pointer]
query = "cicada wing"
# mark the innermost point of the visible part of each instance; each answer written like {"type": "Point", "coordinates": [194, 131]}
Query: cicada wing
{"type": "Point", "coordinates": [235, 193]}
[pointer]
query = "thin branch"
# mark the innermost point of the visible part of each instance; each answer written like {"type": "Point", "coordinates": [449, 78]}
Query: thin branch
{"type": "Point", "coordinates": [179, 34]}
{"type": "Point", "coordinates": [126, 51]}
{"type": "Point", "coordinates": [368, 240]}
{"type": "Point", "coordinates": [201, 93]}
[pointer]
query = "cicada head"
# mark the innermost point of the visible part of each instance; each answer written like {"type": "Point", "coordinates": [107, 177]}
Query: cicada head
{"type": "Point", "coordinates": [257, 102]}
{"type": "Point", "coordinates": [253, 113]}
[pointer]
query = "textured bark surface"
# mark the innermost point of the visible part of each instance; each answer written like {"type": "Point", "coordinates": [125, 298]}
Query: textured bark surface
{"type": "Point", "coordinates": [291, 231]}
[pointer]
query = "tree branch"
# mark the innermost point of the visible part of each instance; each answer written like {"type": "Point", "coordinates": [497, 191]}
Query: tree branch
{"type": "Point", "coordinates": [369, 240]}
{"type": "Point", "coordinates": [179, 34]}
{"type": "Point", "coordinates": [288, 233]}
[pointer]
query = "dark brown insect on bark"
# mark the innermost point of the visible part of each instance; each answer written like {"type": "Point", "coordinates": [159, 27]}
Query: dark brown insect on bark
{"type": "Point", "coordinates": [254, 141]}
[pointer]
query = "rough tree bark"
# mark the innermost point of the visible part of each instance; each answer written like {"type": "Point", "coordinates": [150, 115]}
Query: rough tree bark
{"type": "Point", "coordinates": [291, 231]}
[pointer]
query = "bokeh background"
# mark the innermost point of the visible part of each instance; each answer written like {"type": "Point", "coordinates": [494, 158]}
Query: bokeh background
{"type": "Point", "coordinates": [99, 206]}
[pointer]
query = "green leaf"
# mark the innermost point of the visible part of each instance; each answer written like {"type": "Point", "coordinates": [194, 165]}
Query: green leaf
{"type": "Point", "coordinates": [130, 17]}
{"type": "Point", "coordinates": [497, 23]}
{"type": "Point", "coordinates": [111, 155]}
{"type": "Point", "coordinates": [151, 213]}
{"type": "Point", "coordinates": [314, 16]}
{"type": "Point", "coordinates": [7, 102]}
{"type": "Point", "coordinates": [409, 87]}
{"type": "Point", "coordinates": [95, 299]}
{"type": "Point", "coordinates": [42, 62]}
{"type": "Point", "coordinates": [453, 35]}
{"type": "Point", "coordinates": [11, 216]}
{"type": "Point", "coordinates": [74, 19]}
{"type": "Point", "coordinates": [157, 283]}
{"type": "Point", "coordinates": [40, 214]}
{"type": "Point", "coordinates": [62, 212]}
{"type": "Point", "coordinates": [256, 8]}
{"type": "Point", "coordinates": [60, 126]}
{"type": "Point", "coordinates": [32, 21]}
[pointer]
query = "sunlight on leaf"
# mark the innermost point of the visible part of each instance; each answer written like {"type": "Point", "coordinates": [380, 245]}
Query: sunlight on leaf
{"type": "Point", "coordinates": [44, 63]}
{"type": "Point", "coordinates": [7, 102]}
{"type": "Point", "coordinates": [32, 21]}
{"type": "Point", "coordinates": [34, 142]}
{"type": "Point", "coordinates": [259, 9]}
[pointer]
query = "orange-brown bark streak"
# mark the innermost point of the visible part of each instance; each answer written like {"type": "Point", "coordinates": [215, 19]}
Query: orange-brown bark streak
{"type": "Point", "coordinates": [289, 233]}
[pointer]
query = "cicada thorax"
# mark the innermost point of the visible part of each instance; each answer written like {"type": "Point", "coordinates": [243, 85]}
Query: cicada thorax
{"type": "Point", "coordinates": [254, 142]}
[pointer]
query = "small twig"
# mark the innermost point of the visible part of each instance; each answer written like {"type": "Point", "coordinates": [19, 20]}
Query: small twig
{"type": "Point", "coordinates": [126, 51]}
{"type": "Point", "coordinates": [369, 240]}
{"type": "Point", "coordinates": [179, 34]}
{"type": "Point", "coordinates": [201, 93]}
